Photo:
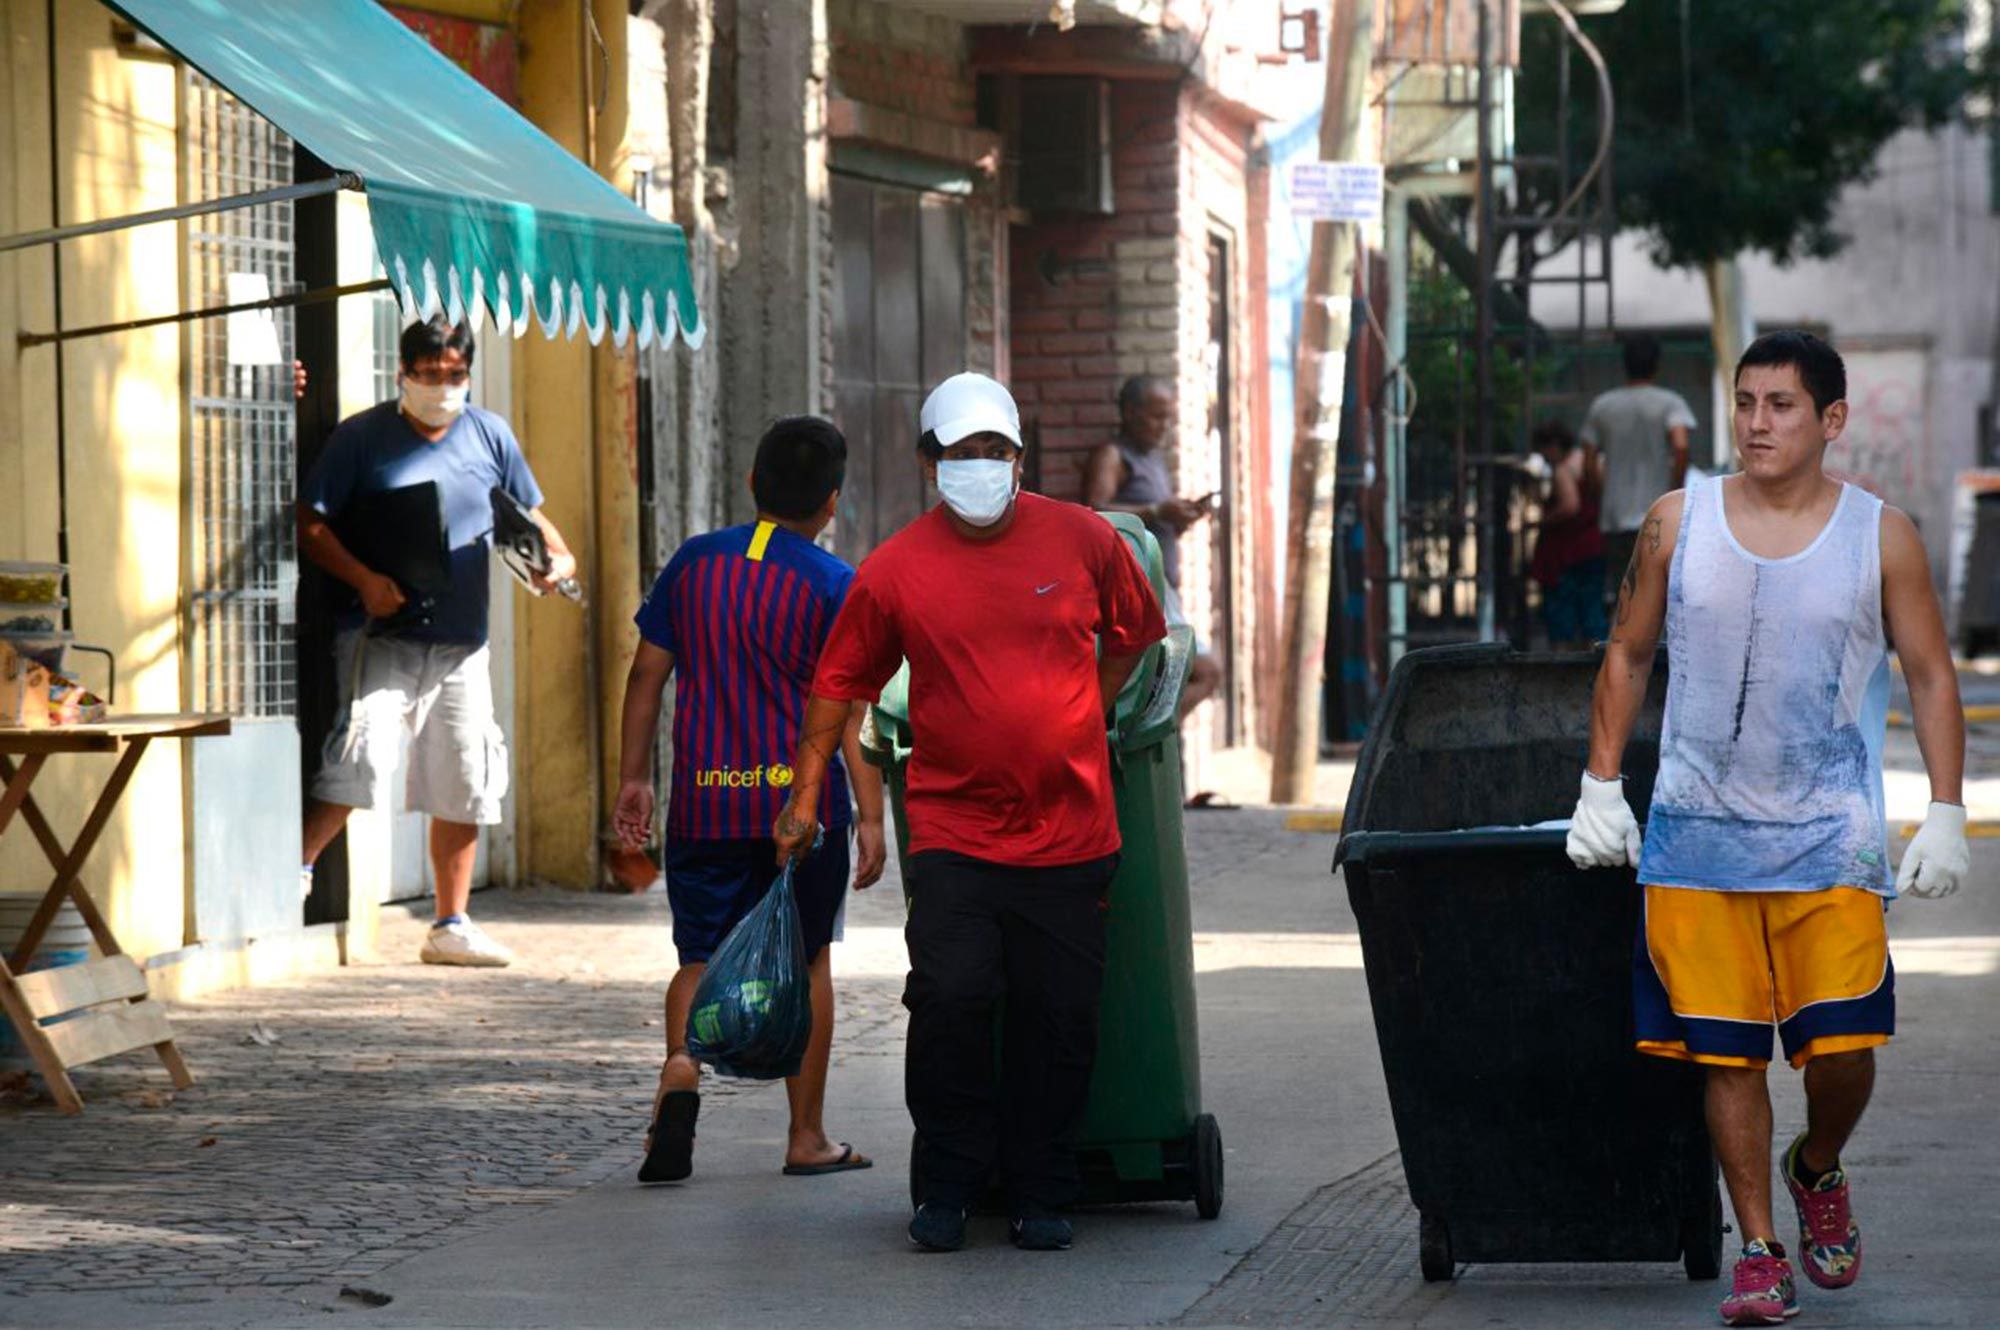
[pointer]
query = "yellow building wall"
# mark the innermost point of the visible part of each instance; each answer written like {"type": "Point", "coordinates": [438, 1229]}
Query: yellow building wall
{"type": "Point", "coordinates": [119, 153]}
{"type": "Point", "coordinates": [558, 742]}
{"type": "Point", "coordinates": [119, 148]}
{"type": "Point", "coordinates": [615, 541]}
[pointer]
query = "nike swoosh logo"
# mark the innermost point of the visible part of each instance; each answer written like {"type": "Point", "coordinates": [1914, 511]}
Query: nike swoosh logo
{"type": "Point", "coordinates": [1044, 590]}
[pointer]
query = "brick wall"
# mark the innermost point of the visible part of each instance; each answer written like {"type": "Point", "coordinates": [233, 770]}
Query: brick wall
{"type": "Point", "coordinates": [1113, 308]}
{"type": "Point", "coordinates": [1222, 198]}
{"type": "Point", "coordinates": [899, 59]}
{"type": "Point", "coordinates": [916, 64]}
{"type": "Point", "coordinates": [1130, 295]}
{"type": "Point", "coordinates": [986, 261]}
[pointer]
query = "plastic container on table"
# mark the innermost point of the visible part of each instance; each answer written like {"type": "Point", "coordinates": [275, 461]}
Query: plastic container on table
{"type": "Point", "coordinates": [1144, 1136]}
{"type": "Point", "coordinates": [27, 583]}
{"type": "Point", "coordinates": [1501, 976]}
{"type": "Point", "coordinates": [31, 616]}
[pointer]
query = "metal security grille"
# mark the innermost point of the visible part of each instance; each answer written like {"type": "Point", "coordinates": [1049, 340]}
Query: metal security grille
{"type": "Point", "coordinates": [243, 428]}
{"type": "Point", "coordinates": [388, 333]}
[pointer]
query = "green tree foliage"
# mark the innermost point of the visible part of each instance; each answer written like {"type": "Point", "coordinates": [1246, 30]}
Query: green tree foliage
{"type": "Point", "coordinates": [1440, 365]}
{"type": "Point", "coordinates": [1779, 105]}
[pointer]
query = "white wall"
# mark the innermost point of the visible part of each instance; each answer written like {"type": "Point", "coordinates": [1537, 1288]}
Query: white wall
{"type": "Point", "coordinates": [1912, 303]}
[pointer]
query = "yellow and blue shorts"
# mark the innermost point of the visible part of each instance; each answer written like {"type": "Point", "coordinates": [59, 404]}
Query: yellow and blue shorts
{"type": "Point", "coordinates": [1713, 971]}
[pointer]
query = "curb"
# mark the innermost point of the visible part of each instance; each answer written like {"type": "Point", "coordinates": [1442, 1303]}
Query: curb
{"type": "Point", "coordinates": [1980, 714]}
{"type": "Point", "coordinates": [1328, 823]}
{"type": "Point", "coordinates": [1975, 829]}
{"type": "Point", "coordinates": [1314, 822]}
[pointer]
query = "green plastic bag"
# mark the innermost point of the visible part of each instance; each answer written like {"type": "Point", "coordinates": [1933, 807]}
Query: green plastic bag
{"type": "Point", "coordinates": [752, 1014]}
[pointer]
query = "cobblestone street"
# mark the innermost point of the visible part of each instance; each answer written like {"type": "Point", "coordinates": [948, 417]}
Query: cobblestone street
{"type": "Point", "coordinates": [342, 1123]}
{"type": "Point", "coordinates": [346, 1122]}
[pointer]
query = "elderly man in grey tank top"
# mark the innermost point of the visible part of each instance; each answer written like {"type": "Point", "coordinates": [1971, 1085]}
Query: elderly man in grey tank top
{"type": "Point", "coordinates": [1130, 475]}
{"type": "Point", "coordinates": [1765, 859]}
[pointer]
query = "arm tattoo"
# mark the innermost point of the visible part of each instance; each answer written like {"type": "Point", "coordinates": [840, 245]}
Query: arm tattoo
{"type": "Point", "coordinates": [826, 739]}
{"type": "Point", "coordinates": [1652, 534]}
{"type": "Point", "coordinates": [1626, 586]}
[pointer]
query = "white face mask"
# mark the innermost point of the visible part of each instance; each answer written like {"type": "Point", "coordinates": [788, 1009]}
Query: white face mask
{"type": "Point", "coordinates": [979, 490]}
{"type": "Point", "coordinates": [435, 404]}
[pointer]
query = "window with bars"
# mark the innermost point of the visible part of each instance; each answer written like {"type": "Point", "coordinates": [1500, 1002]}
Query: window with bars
{"type": "Point", "coordinates": [243, 430]}
{"type": "Point", "coordinates": [387, 342]}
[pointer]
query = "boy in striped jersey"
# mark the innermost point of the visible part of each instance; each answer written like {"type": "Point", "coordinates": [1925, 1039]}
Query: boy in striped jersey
{"type": "Point", "coordinates": [738, 618]}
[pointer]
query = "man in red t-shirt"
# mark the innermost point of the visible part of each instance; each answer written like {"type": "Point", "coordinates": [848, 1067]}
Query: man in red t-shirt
{"type": "Point", "coordinates": [1000, 601]}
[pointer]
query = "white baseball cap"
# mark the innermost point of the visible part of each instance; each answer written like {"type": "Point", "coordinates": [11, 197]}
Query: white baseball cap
{"type": "Point", "coordinates": [968, 404]}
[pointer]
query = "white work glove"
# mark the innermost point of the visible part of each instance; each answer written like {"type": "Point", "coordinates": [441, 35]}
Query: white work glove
{"type": "Point", "coordinates": [1938, 857]}
{"type": "Point", "coordinates": [1602, 832]}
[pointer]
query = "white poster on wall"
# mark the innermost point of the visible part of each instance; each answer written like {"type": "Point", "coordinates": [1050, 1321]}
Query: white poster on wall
{"type": "Point", "coordinates": [1335, 191]}
{"type": "Point", "coordinates": [252, 334]}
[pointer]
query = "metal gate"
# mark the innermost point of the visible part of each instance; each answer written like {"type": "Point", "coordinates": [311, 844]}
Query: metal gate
{"type": "Point", "coordinates": [242, 421]}
{"type": "Point", "coordinates": [898, 328]}
{"type": "Point", "coordinates": [1480, 369]}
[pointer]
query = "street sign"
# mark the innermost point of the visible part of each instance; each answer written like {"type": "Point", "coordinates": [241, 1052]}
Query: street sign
{"type": "Point", "coordinates": [1336, 191]}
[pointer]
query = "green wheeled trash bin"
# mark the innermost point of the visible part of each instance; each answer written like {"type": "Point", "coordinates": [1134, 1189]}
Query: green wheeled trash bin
{"type": "Point", "coordinates": [1144, 1135]}
{"type": "Point", "coordinates": [1501, 976]}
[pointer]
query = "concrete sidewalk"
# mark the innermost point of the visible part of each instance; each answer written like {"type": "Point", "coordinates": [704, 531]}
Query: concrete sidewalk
{"type": "Point", "coordinates": [461, 1144]}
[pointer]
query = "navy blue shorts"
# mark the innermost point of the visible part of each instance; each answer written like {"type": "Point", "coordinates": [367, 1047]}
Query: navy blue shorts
{"type": "Point", "coordinates": [712, 884]}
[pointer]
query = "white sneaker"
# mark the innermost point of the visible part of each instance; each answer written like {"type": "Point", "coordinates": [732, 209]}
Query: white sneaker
{"type": "Point", "coordinates": [462, 944]}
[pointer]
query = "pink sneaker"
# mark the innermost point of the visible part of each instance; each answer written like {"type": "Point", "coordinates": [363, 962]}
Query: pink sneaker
{"type": "Point", "coordinates": [1829, 1239]}
{"type": "Point", "coordinates": [1762, 1293]}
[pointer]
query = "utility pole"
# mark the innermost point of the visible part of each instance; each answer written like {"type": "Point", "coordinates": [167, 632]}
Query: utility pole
{"type": "Point", "coordinates": [1482, 347]}
{"type": "Point", "coordinates": [1322, 381]}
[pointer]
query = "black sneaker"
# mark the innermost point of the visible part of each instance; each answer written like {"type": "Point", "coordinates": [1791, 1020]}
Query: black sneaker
{"type": "Point", "coordinates": [938, 1226]}
{"type": "Point", "coordinates": [1042, 1233]}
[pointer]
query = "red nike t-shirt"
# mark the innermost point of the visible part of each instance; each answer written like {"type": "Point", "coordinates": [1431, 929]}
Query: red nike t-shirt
{"type": "Point", "coordinates": [1010, 762]}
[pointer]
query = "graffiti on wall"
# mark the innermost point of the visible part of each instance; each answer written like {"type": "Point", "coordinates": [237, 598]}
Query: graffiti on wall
{"type": "Point", "coordinates": [1887, 440]}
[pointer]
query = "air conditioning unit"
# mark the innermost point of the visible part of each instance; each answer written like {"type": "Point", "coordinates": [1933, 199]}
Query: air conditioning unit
{"type": "Point", "coordinates": [1057, 131]}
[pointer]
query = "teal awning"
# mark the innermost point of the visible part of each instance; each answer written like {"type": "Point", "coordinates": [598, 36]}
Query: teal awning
{"type": "Point", "coordinates": [475, 210]}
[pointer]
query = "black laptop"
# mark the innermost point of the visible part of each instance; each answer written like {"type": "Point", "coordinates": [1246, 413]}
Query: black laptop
{"type": "Point", "coordinates": [400, 533]}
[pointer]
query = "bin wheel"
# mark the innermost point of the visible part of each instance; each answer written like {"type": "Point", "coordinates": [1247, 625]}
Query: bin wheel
{"type": "Point", "coordinates": [916, 1172]}
{"type": "Point", "coordinates": [1205, 1153]}
{"type": "Point", "coordinates": [1701, 1241]}
{"type": "Point", "coordinates": [1434, 1249]}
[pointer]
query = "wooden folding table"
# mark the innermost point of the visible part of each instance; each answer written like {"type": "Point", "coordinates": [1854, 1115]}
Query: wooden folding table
{"type": "Point", "coordinates": [103, 1004]}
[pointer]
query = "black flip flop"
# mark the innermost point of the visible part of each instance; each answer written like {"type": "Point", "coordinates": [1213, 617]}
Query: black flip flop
{"type": "Point", "coordinates": [670, 1158]}
{"type": "Point", "coordinates": [847, 1163]}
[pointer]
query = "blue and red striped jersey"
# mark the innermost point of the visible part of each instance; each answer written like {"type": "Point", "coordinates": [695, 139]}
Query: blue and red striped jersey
{"type": "Point", "coordinates": [745, 612]}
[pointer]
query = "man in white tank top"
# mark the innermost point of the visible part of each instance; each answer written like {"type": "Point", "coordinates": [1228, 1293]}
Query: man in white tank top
{"type": "Point", "coordinates": [1765, 856]}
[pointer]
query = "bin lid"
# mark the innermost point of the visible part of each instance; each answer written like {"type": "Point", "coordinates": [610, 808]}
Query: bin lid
{"type": "Point", "coordinates": [1485, 736]}
{"type": "Point", "coordinates": [892, 708]}
{"type": "Point", "coordinates": [1147, 708]}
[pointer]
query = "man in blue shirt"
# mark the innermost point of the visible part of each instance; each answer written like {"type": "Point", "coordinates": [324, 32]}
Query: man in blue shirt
{"type": "Point", "coordinates": [428, 673]}
{"type": "Point", "coordinates": [736, 620]}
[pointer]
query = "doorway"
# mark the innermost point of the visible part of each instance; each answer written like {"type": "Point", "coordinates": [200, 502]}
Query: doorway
{"type": "Point", "coordinates": [1219, 370]}
{"type": "Point", "coordinates": [898, 328]}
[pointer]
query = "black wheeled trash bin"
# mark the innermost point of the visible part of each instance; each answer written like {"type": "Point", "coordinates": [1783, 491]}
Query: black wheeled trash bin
{"type": "Point", "coordinates": [1500, 976]}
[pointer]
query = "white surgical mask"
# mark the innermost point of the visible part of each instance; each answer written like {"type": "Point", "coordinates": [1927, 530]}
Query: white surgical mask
{"type": "Point", "coordinates": [435, 404]}
{"type": "Point", "coordinates": [978, 490]}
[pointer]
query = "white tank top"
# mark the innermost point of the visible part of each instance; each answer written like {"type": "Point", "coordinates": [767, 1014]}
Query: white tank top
{"type": "Point", "coordinates": [1771, 750]}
